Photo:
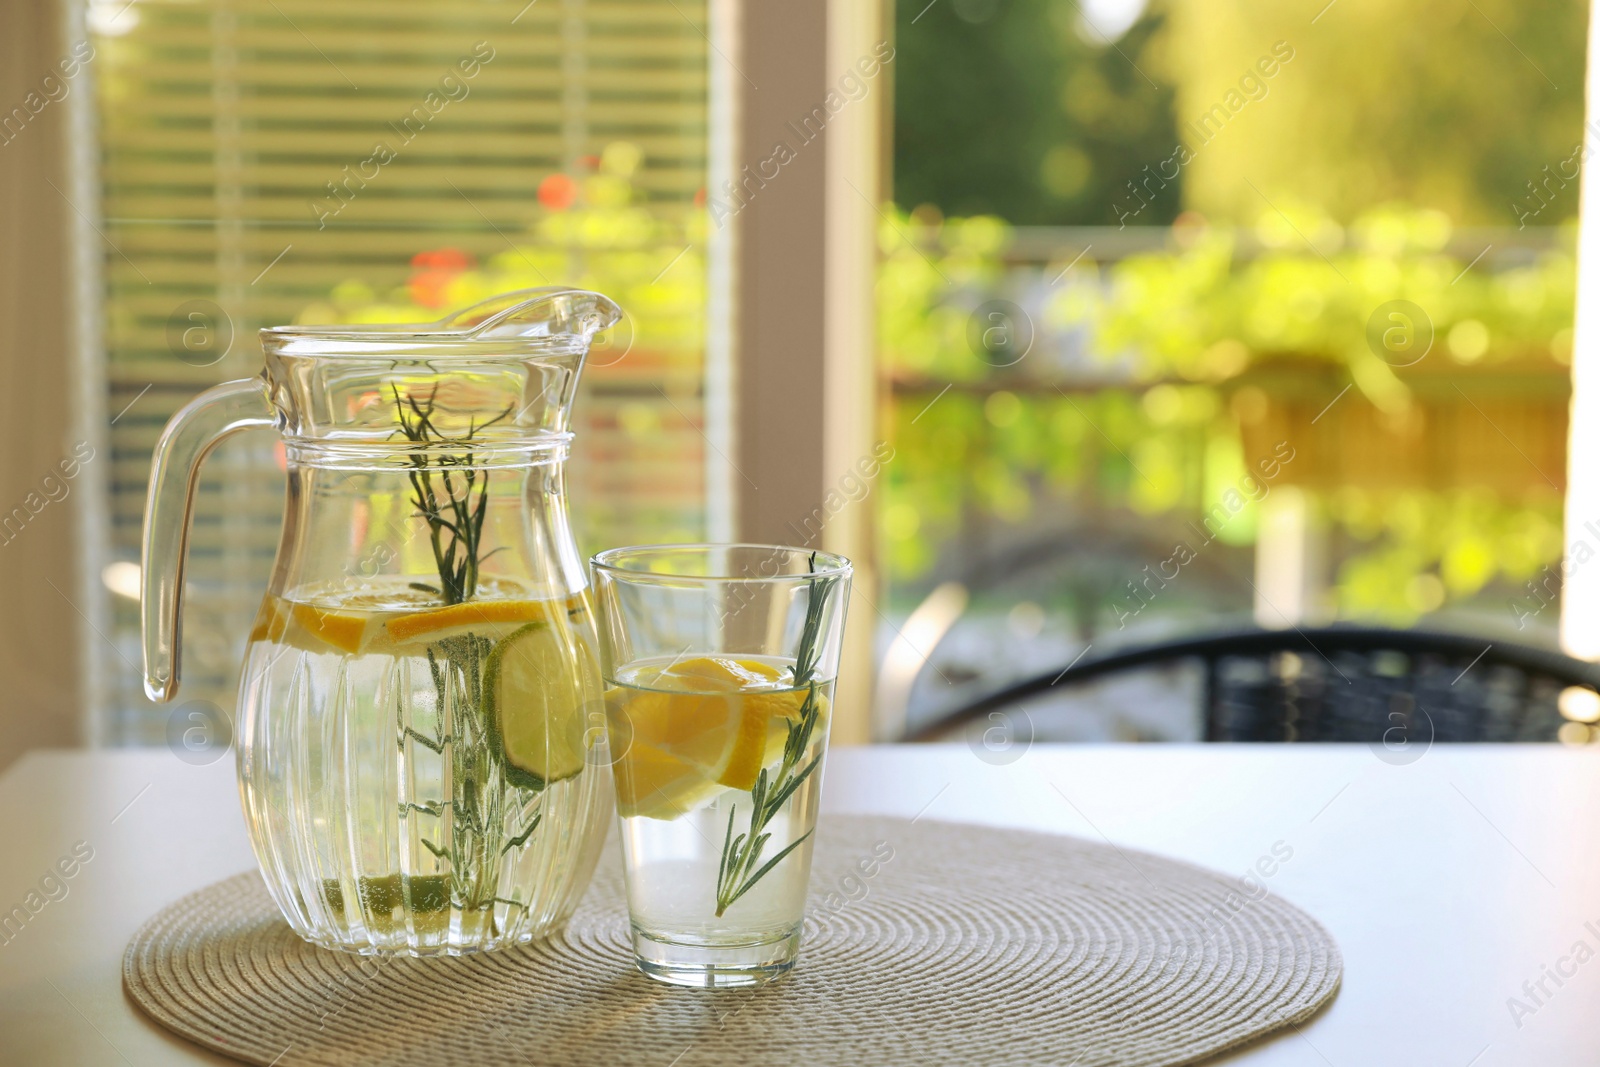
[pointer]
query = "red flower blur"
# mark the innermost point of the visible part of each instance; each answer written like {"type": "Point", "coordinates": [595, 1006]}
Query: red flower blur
{"type": "Point", "coordinates": [558, 192]}
{"type": "Point", "coordinates": [433, 271]}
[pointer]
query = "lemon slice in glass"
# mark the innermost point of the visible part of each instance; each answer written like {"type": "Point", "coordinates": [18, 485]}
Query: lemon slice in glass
{"type": "Point", "coordinates": [694, 727]}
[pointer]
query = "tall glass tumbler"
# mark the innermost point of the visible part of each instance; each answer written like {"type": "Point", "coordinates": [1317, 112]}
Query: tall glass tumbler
{"type": "Point", "coordinates": [719, 662]}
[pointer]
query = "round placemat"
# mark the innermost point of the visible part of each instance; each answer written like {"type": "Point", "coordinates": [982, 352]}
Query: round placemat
{"type": "Point", "coordinates": [926, 942]}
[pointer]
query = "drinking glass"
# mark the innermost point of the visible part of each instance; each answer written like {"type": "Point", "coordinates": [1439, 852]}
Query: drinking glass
{"type": "Point", "coordinates": [719, 662]}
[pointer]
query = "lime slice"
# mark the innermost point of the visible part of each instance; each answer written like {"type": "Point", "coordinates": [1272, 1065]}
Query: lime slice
{"type": "Point", "coordinates": [536, 683]}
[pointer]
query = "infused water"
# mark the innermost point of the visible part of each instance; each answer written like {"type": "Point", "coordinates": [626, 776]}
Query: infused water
{"type": "Point", "coordinates": [712, 751]}
{"type": "Point", "coordinates": [423, 777]}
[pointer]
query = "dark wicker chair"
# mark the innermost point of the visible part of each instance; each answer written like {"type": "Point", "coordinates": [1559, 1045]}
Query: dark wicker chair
{"type": "Point", "coordinates": [1342, 684]}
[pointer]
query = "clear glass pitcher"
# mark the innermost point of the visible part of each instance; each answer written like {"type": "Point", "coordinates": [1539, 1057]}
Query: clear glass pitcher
{"type": "Point", "coordinates": [420, 731]}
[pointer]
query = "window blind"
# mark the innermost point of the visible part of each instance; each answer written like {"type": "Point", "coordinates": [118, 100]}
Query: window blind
{"type": "Point", "coordinates": [243, 186]}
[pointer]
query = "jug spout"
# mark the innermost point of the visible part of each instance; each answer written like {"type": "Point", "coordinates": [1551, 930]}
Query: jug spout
{"type": "Point", "coordinates": [513, 359]}
{"type": "Point", "coordinates": [547, 312]}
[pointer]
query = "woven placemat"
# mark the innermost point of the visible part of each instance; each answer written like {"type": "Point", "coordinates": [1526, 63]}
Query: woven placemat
{"type": "Point", "coordinates": [969, 945]}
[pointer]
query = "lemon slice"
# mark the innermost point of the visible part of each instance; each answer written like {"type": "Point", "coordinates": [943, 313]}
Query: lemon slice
{"type": "Point", "coordinates": [701, 725]}
{"type": "Point", "coordinates": [436, 623]}
{"type": "Point", "coordinates": [271, 619]}
{"type": "Point", "coordinates": [658, 785]}
{"type": "Point", "coordinates": [462, 618]}
{"type": "Point", "coordinates": [316, 629]}
{"type": "Point", "coordinates": [535, 685]}
{"type": "Point", "coordinates": [313, 627]}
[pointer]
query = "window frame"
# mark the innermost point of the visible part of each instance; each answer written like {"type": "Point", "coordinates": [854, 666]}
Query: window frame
{"type": "Point", "coordinates": [803, 249]}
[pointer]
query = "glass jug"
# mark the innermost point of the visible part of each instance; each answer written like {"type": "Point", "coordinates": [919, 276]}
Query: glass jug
{"type": "Point", "coordinates": [420, 728]}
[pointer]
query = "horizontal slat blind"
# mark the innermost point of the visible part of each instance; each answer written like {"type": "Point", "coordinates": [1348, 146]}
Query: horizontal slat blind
{"type": "Point", "coordinates": [223, 121]}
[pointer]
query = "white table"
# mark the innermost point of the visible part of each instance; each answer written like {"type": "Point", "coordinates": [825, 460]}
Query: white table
{"type": "Point", "coordinates": [1448, 882]}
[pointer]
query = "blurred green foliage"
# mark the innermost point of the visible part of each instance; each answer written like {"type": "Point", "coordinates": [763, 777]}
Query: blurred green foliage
{"type": "Point", "coordinates": [1175, 332]}
{"type": "Point", "coordinates": [1449, 105]}
{"type": "Point", "coordinates": [1414, 552]}
{"type": "Point", "coordinates": [1014, 108]}
{"type": "Point", "coordinates": [1011, 107]}
{"type": "Point", "coordinates": [1201, 312]}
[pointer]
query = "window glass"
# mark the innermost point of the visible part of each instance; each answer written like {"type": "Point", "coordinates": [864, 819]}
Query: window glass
{"type": "Point", "coordinates": [1199, 317]}
{"type": "Point", "coordinates": [265, 163]}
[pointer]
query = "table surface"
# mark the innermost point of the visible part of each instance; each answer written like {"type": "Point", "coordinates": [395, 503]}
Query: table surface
{"type": "Point", "coordinates": [1459, 886]}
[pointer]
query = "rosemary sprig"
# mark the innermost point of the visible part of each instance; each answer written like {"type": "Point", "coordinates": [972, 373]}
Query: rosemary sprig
{"type": "Point", "coordinates": [456, 667]}
{"type": "Point", "coordinates": [739, 871]}
{"type": "Point", "coordinates": [451, 494]}
{"type": "Point", "coordinates": [454, 516]}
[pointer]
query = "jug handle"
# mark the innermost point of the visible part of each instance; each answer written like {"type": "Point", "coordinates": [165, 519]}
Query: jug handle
{"type": "Point", "coordinates": [197, 428]}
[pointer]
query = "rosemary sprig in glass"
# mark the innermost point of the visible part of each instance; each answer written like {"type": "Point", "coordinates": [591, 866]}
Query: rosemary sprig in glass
{"type": "Point", "coordinates": [739, 870]}
{"type": "Point", "coordinates": [454, 516]}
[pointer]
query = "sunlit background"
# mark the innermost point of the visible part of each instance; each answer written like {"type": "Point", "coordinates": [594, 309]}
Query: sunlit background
{"type": "Point", "coordinates": [1187, 313]}
{"type": "Point", "coordinates": [1128, 278]}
